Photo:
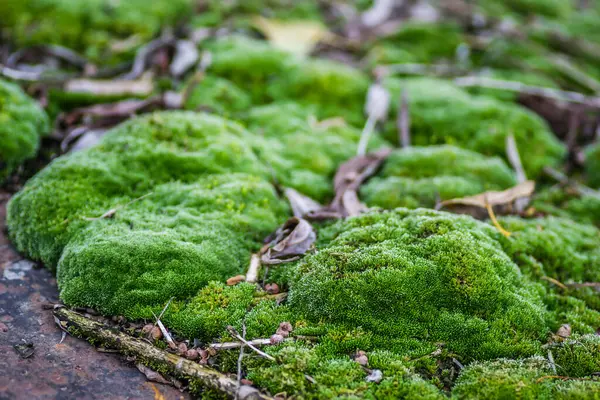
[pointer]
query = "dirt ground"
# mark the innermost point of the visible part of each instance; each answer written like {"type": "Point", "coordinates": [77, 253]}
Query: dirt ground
{"type": "Point", "coordinates": [69, 370]}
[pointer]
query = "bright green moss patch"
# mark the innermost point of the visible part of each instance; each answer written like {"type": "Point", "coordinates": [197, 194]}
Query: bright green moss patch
{"type": "Point", "coordinates": [443, 113]}
{"type": "Point", "coordinates": [90, 26]}
{"type": "Point", "coordinates": [422, 277]}
{"type": "Point", "coordinates": [218, 95]}
{"type": "Point", "coordinates": [22, 122]}
{"type": "Point", "coordinates": [563, 203]}
{"type": "Point", "coordinates": [557, 248]}
{"type": "Point", "coordinates": [579, 357]}
{"type": "Point", "coordinates": [420, 176]}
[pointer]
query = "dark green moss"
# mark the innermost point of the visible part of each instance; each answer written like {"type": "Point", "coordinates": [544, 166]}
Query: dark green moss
{"type": "Point", "coordinates": [22, 123]}
{"type": "Point", "coordinates": [592, 165]}
{"type": "Point", "coordinates": [578, 357]}
{"type": "Point", "coordinates": [443, 113]}
{"type": "Point", "coordinates": [420, 176]}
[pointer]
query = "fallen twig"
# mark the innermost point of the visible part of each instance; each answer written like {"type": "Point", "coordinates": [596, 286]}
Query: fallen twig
{"type": "Point", "coordinates": [582, 190]}
{"type": "Point", "coordinates": [147, 353]}
{"type": "Point", "coordinates": [575, 97]}
{"type": "Point", "coordinates": [237, 336]}
{"type": "Point", "coordinates": [555, 281]}
{"type": "Point", "coordinates": [252, 274]}
{"type": "Point", "coordinates": [239, 363]}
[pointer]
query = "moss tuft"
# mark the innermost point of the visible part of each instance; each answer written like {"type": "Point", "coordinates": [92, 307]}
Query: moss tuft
{"type": "Point", "coordinates": [22, 122]}
{"type": "Point", "coordinates": [442, 113]}
{"type": "Point", "coordinates": [420, 176]}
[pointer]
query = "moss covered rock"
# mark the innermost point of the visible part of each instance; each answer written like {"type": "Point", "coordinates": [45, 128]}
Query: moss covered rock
{"type": "Point", "coordinates": [22, 123]}
{"type": "Point", "coordinates": [420, 176]}
{"type": "Point", "coordinates": [89, 26]}
{"type": "Point", "coordinates": [443, 113]}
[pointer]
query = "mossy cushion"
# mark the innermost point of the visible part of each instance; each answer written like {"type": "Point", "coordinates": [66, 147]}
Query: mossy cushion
{"type": "Point", "coordinates": [421, 176]}
{"type": "Point", "coordinates": [22, 123]}
{"type": "Point", "coordinates": [442, 113]}
{"type": "Point", "coordinates": [89, 26]}
{"type": "Point", "coordinates": [417, 278]}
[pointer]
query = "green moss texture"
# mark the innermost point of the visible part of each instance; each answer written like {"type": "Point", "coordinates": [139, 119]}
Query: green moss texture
{"type": "Point", "coordinates": [421, 176]}
{"type": "Point", "coordinates": [22, 123]}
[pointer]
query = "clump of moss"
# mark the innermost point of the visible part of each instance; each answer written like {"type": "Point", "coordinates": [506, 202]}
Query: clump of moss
{"type": "Point", "coordinates": [417, 42]}
{"type": "Point", "coordinates": [22, 123]}
{"type": "Point", "coordinates": [291, 131]}
{"type": "Point", "coordinates": [443, 113]}
{"type": "Point", "coordinates": [336, 377]}
{"type": "Point", "coordinates": [420, 176]}
{"type": "Point", "coordinates": [249, 63]}
{"type": "Point", "coordinates": [217, 94]}
{"type": "Point", "coordinates": [504, 379]}
{"type": "Point", "coordinates": [89, 26]}
{"type": "Point", "coordinates": [418, 278]}
{"type": "Point", "coordinates": [334, 89]}
{"type": "Point", "coordinates": [557, 248]}
{"type": "Point", "coordinates": [563, 203]}
{"type": "Point", "coordinates": [578, 357]}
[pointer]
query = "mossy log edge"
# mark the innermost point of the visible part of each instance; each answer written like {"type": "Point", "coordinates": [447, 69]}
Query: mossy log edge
{"type": "Point", "coordinates": [80, 326]}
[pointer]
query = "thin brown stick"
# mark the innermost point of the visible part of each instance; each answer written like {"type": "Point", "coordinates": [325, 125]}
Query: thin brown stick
{"type": "Point", "coordinates": [556, 282]}
{"type": "Point", "coordinates": [573, 97]}
{"type": "Point", "coordinates": [147, 353]}
{"type": "Point", "coordinates": [512, 153]}
{"type": "Point", "coordinates": [583, 285]}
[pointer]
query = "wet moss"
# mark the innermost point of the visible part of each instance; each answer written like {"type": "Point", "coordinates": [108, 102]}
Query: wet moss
{"type": "Point", "coordinates": [22, 123]}
{"type": "Point", "coordinates": [443, 113]}
{"type": "Point", "coordinates": [420, 176]}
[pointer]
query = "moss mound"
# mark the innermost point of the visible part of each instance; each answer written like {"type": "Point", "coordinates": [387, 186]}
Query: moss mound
{"type": "Point", "coordinates": [442, 113]}
{"type": "Point", "coordinates": [89, 26]}
{"type": "Point", "coordinates": [592, 165]}
{"type": "Point", "coordinates": [22, 122]}
{"type": "Point", "coordinates": [417, 278]}
{"type": "Point", "coordinates": [420, 176]}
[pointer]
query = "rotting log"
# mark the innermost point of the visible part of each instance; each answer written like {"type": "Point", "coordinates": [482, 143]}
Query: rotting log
{"type": "Point", "coordinates": [179, 367]}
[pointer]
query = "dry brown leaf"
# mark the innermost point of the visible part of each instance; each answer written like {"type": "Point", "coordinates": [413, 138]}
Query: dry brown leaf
{"type": "Point", "coordinates": [291, 240]}
{"type": "Point", "coordinates": [234, 280]}
{"type": "Point", "coordinates": [152, 375]}
{"type": "Point", "coordinates": [300, 203]}
{"type": "Point", "coordinates": [493, 198]}
{"type": "Point", "coordinates": [348, 178]}
{"type": "Point", "coordinates": [298, 37]}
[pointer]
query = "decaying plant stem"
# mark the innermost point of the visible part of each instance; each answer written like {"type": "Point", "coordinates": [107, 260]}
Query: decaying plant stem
{"type": "Point", "coordinates": [78, 325]}
{"type": "Point", "coordinates": [512, 153]}
{"type": "Point", "coordinates": [252, 274]}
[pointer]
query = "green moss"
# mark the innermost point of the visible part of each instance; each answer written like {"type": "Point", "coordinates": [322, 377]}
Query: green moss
{"type": "Point", "coordinates": [218, 95]}
{"type": "Point", "coordinates": [250, 64]}
{"type": "Point", "coordinates": [89, 26]}
{"type": "Point", "coordinates": [592, 165]}
{"type": "Point", "coordinates": [419, 176]}
{"type": "Point", "coordinates": [558, 248]}
{"type": "Point", "coordinates": [559, 202]}
{"type": "Point", "coordinates": [421, 277]}
{"type": "Point", "coordinates": [578, 357]}
{"type": "Point", "coordinates": [504, 379]}
{"type": "Point", "coordinates": [529, 8]}
{"type": "Point", "coordinates": [443, 113]}
{"type": "Point", "coordinates": [336, 377]}
{"type": "Point", "coordinates": [290, 135]}
{"type": "Point", "coordinates": [416, 42]}
{"type": "Point", "coordinates": [332, 88]}
{"type": "Point", "coordinates": [22, 122]}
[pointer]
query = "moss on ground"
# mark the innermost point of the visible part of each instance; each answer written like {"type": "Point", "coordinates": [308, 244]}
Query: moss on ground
{"type": "Point", "coordinates": [90, 26]}
{"type": "Point", "coordinates": [421, 176]}
{"type": "Point", "coordinates": [592, 165]}
{"type": "Point", "coordinates": [22, 123]}
{"type": "Point", "coordinates": [443, 113]}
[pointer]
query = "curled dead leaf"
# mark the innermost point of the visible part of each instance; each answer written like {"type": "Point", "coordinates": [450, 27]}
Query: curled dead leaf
{"type": "Point", "coordinates": [290, 241]}
{"type": "Point", "coordinates": [234, 280]}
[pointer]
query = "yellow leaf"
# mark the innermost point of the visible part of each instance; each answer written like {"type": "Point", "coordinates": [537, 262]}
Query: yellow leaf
{"type": "Point", "coordinates": [298, 37]}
